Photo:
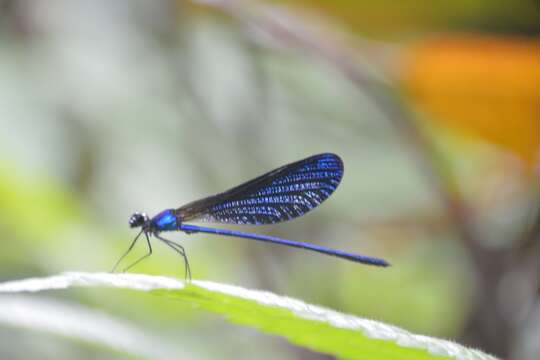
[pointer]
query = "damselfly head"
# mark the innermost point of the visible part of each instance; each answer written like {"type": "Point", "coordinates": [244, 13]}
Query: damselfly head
{"type": "Point", "coordinates": [138, 219]}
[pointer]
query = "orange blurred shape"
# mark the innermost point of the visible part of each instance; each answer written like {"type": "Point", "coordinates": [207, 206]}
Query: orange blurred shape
{"type": "Point", "coordinates": [487, 87]}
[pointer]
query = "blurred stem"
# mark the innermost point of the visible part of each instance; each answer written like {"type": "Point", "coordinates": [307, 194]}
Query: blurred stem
{"type": "Point", "coordinates": [527, 257]}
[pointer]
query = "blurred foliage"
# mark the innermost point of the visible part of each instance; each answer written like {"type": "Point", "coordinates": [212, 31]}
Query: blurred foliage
{"type": "Point", "coordinates": [388, 19]}
{"type": "Point", "coordinates": [485, 86]}
{"type": "Point", "coordinates": [143, 106]}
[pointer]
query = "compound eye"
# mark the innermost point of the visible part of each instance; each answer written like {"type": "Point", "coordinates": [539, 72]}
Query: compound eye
{"type": "Point", "coordinates": [137, 220]}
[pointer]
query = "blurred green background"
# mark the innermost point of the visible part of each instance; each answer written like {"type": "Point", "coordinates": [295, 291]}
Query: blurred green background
{"type": "Point", "coordinates": [107, 108]}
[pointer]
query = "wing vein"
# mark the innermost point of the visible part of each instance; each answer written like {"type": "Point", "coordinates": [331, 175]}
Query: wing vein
{"type": "Point", "coordinates": [279, 195]}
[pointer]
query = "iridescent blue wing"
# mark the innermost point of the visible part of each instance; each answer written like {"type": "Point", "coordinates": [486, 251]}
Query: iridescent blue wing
{"type": "Point", "coordinates": [279, 195]}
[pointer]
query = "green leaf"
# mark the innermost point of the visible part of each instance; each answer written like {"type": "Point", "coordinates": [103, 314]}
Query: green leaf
{"type": "Point", "coordinates": [314, 327]}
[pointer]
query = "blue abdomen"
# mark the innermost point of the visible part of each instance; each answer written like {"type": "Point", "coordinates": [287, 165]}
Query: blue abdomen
{"type": "Point", "coordinates": [165, 221]}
